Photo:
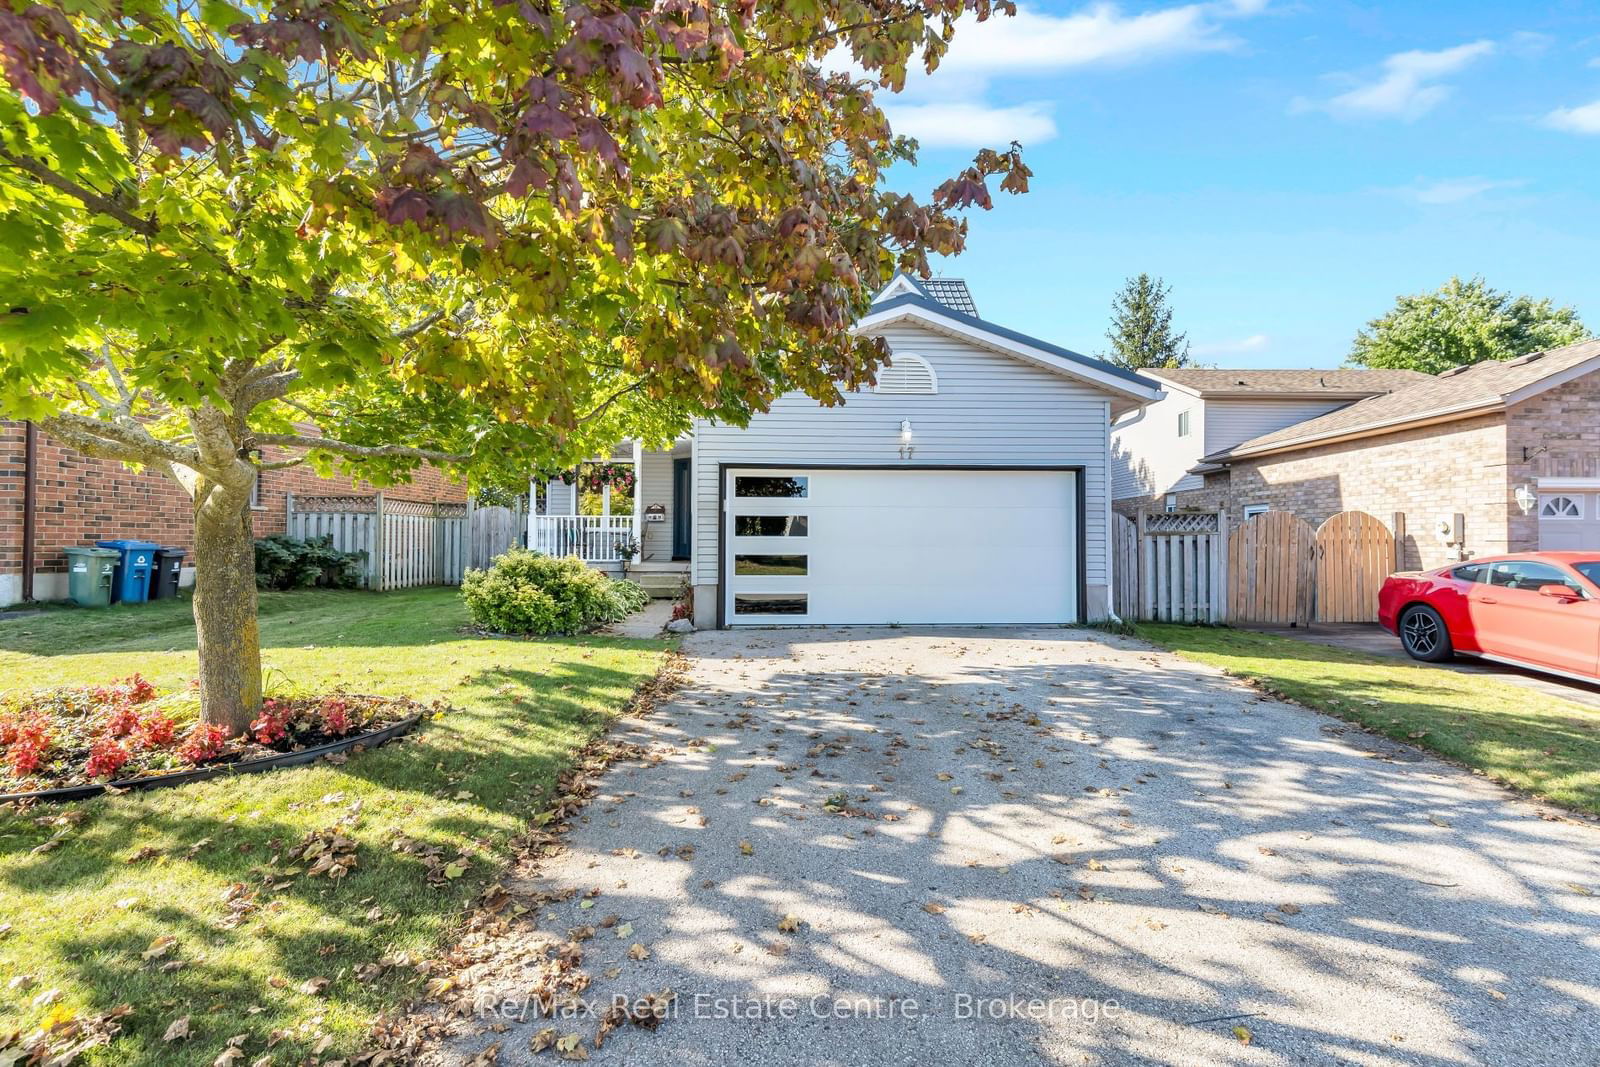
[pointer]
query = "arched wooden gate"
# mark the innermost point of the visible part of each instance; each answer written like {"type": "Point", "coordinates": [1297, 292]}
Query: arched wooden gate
{"type": "Point", "coordinates": [1355, 553]}
{"type": "Point", "coordinates": [1271, 570]}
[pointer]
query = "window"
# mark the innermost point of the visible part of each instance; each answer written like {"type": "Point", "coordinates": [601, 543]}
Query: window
{"type": "Point", "coordinates": [255, 492]}
{"type": "Point", "coordinates": [769, 526]}
{"type": "Point", "coordinates": [1252, 510]}
{"type": "Point", "coordinates": [769, 486]}
{"type": "Point", "coordinates": [768, 565]}
{"type": "Point", "coordinates": [1472, 572]}
{"type": "Point", "coordinates": [1183, 424]}
{"type": "Point", "coordinates": [1524, 574]}
{"type": "Point", "coordinates": [906, 373]}
{"type": "Point", "coordinates": [1590, 569]}
{"type": "Point", "coordinates": [769, 604]}
{"type": "Point", "coordinates": [1171, 502]}
{"type": "Point", "coordinates": [1560, 507]}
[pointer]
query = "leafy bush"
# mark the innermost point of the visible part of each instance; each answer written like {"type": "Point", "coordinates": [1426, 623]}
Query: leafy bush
{"type": "Point", "coordinates": [284, 562]}
{"type": "Point", "coordinates": [526, 593]}
{"type": "Point", "coordinates": [631, 594]}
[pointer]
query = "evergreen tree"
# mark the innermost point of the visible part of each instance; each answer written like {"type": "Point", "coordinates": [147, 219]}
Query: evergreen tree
{"type": "Point", "coordinates": [1141, 327]}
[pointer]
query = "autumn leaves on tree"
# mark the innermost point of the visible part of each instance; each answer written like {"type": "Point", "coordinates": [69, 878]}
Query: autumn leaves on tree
{"type": "Point", "coordinates": [492, 235]}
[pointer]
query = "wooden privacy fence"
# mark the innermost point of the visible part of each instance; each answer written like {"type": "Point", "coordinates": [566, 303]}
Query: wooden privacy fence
{"type": "Point", "coordinates": [1182, 566]}
{"type": "Point", "coordinates": [1355, 553]}
{"type": "Point", "coordinates": [1271, 570]}
{"type": "Point", "coordinates": [405, 543]}
{"type": "Point", "coordinates": [490, 531]}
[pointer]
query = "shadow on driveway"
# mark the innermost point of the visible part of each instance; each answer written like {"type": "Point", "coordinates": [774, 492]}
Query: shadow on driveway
{"type": "Point", "coordinates": [1063, 818]}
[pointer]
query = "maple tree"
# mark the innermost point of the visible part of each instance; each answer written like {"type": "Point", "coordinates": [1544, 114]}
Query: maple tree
{"type": "Point", "coordinates": [367, 235]}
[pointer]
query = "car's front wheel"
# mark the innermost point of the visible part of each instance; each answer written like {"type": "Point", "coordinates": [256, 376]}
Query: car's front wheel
{"type": "Point", "coordinates": [1423, 635]}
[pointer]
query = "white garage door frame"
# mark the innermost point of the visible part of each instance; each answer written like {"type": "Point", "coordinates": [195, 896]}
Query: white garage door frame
{"type": "Point", "coordinates": [1569, 514]}
{"type": "Point", "coordinates": [1078, 520]}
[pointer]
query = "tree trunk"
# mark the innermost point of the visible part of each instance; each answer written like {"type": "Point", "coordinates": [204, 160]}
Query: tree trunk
{"type": "Point", "coordinates": [225, 609]}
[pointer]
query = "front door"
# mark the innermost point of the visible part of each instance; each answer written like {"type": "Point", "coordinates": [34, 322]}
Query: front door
{"type": "Point", "coordinates": [681, 495]}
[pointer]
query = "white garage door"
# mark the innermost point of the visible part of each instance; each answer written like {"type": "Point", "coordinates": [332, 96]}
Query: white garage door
{"type": "Point", "coordinates": [1569, 521]}
{"type": "Point", "coordinates": [900, 546]}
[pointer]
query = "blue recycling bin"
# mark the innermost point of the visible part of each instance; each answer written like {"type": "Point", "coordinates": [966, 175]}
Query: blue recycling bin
{"type": "Point", "coordinates": [131, 583]}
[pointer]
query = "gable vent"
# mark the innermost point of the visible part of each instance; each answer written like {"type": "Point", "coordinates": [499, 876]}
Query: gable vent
{"type": "Point", "coordinates": [907, 372]}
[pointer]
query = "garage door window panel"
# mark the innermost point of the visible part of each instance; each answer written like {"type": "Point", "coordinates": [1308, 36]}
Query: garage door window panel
{"type": "Point", "coordinates": [787, 605]}
{"type": "Point", "coordinates": [763, 486]}
{"type": "Point", "coordinates": [770, 526]}
{"type": "Point", "coordinates": [767, 565]}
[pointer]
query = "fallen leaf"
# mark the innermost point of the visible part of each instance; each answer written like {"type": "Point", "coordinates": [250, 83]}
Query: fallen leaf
{"type": "Point", "coordinates": [789, 924]}
{"type": "Point", "coordinates": [932, 907]}
{"type": "Point", "coordinates": [746, 848]}
{"type": "Point", "coordinates": [314, 987]}
{"type": "Point", "coordinates": [160, 947]}
{"type": "Point", "coordinates": [637, 951]}
{"type": "Point", "coordinates": [1243, 1034]}
{"type": "Point", "coordinates": [178, 1030]}
{"type": "Point", "coordinates": [1289, 909]}
{"type": "Point", "coordinates": [542, 1040]}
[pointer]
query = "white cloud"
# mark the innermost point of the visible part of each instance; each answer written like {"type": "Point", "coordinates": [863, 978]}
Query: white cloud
{"type": "Point", "coordinates": [976, 125]}
{"type": "Point", "coordinates": [1407, 87]}
{"type": "Point", "coordinates": [1455, 190]}
{"type": "Point", "coordinates": [953, 107]}
{"type": "Point", "coordinates": [1584, 118]}
{"type": "Point", "coordinates": [1243, 346]}
{"type": "Point", "coordinates": [1032, 42]}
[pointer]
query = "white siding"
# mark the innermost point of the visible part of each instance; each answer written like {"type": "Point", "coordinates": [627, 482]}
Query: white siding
{"type": "Point", "coordinates": [990, 410]}
{"type": "Point", "coordinates": [1231, 422]}
{"type": "Point", "coordinates": [656, 488]}
{"type": "Point", "coordinates": [560, 498]}
{"type": "Point", "coordinates": [1148, 457]}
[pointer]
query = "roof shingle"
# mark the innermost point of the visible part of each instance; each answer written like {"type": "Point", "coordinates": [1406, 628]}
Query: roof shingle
{"type": "Point", "coordinates": [1480, 387]}
{"type": "Point", "coordinates": [1343, 381]}
{"type": "Point", "coordinates": [952, 293]}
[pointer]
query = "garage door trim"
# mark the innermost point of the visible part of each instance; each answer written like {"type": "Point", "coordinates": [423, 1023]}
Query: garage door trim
{"type": "Point", "coordinates": [1080, 520]}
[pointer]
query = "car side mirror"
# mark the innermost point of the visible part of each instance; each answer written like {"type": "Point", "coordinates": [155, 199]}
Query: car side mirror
{"type": "Point", "coordinates": [1560, 592]}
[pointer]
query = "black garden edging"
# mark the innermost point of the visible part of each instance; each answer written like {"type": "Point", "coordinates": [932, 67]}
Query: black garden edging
{"type": "Point", "coordinates": [371, 739]}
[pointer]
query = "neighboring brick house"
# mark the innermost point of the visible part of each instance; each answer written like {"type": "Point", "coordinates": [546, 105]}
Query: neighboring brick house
{"type": "Point", "coordinates": [79, 500]}
{"type": "Point", "coordinates": [1487, 459]}
{"type": "Point", "coordinates": [1205, 410]}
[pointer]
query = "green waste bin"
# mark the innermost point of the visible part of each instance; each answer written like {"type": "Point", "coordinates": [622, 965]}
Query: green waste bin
{"type": "Point", "coordinates": [89, 575]}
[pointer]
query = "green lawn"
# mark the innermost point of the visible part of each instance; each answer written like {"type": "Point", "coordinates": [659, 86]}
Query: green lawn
{"type": "Point", "coordinates": [1547, 747]}
{"type": "Point", "coordinates": [150, 865]}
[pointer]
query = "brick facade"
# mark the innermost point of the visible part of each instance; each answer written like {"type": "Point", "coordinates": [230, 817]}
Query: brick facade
{"type": "Point", "coordinates": [79, 500]}
{"type": "Point", "coordinates": [1470, 467]}
{"type": "Point", "coordinates": [1554, 434]}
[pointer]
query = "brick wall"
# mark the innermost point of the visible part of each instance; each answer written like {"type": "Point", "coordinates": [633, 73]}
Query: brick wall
{"type": "Point", "coordinates": [1554, 434]}
{"type": "Point", "coordinates": [1426, 473]}
{"type": "Point", "coordinates": [80, 500]}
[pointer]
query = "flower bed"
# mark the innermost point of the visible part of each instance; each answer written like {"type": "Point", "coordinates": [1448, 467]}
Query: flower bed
{"type": "Point", "coordinates": [128, 732]}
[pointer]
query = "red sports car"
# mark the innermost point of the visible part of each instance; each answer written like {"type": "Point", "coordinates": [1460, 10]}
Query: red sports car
{"type": "Point", "coordinates": [1537, 609]}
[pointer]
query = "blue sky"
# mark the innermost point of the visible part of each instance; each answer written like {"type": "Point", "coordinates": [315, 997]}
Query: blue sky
{"type": "Point", "coordinates": [1288, 168]}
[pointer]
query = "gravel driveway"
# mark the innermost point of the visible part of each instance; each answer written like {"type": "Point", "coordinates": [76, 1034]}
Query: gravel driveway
{"type": "Point", "coordinates": [1046, 845]}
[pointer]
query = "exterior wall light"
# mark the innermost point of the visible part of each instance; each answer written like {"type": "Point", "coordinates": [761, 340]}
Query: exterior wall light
{"type": "Point", "coordinates": [1526, 498]}
{"type": "Point", "coordinates": [905, 439]}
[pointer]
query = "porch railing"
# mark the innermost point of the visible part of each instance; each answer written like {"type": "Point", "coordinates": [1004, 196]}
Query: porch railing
{"type": "Point", "coordinates": [592, 538]}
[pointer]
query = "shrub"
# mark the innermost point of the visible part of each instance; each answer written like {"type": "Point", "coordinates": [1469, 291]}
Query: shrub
{"type": "Point", "coordinates": [284, 562]}
{"type": "Point", "coordinates": [526, 593]}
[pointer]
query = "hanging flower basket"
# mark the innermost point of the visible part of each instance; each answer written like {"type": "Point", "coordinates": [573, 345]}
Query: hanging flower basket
{"type": "Point", "coordinates": [593, 477]}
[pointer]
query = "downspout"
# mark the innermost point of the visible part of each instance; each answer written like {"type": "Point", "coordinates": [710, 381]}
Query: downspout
{"type": "Point", "coordinates": [1111, 552]}
{"type": "Point", "coordinates": [30, 477]}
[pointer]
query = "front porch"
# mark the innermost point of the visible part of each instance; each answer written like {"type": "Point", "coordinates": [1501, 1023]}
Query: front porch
{"type": "Point", "coordinates": [637, 526]}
